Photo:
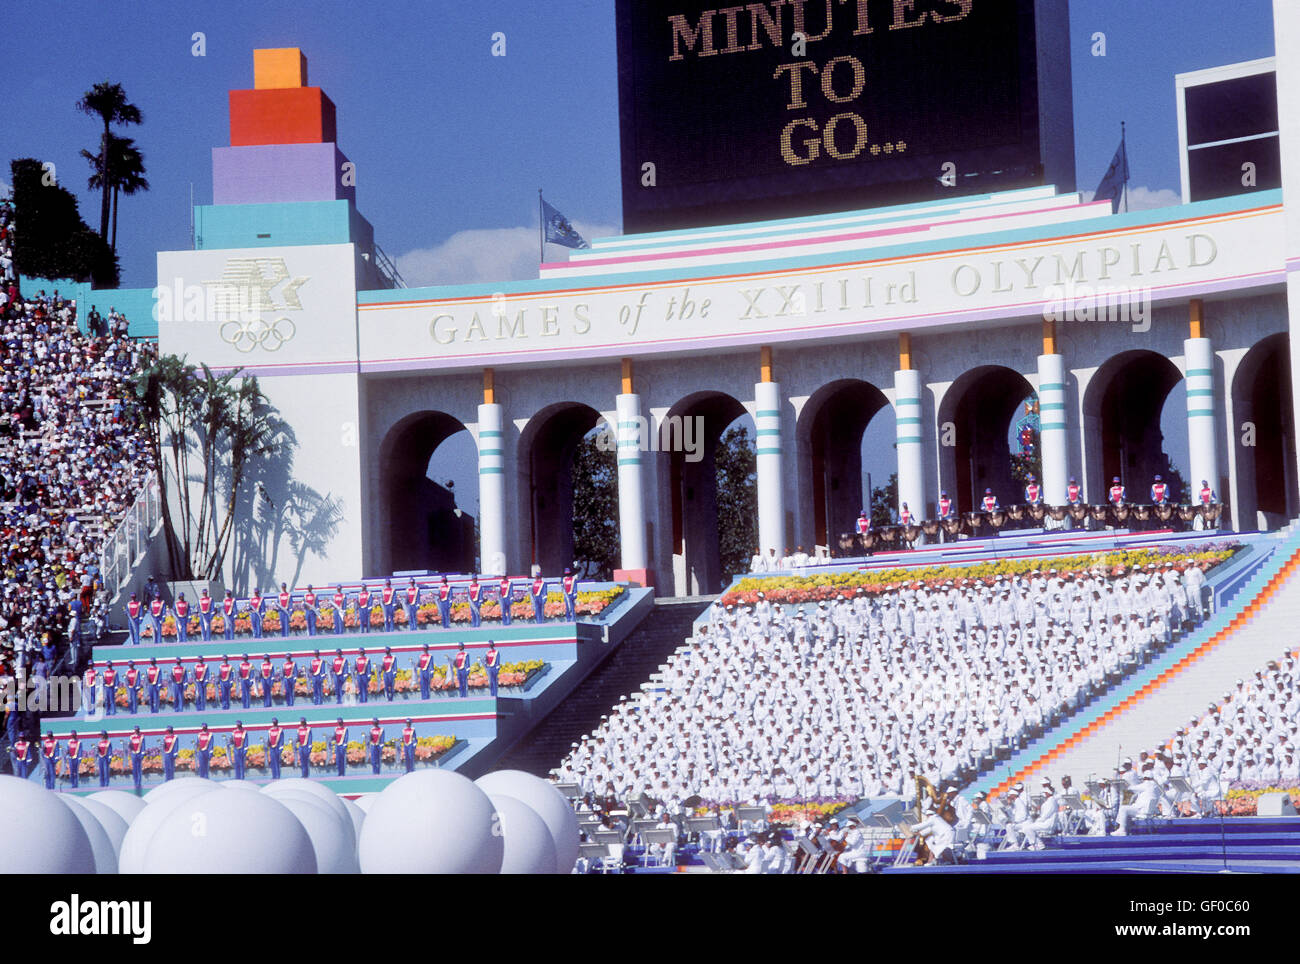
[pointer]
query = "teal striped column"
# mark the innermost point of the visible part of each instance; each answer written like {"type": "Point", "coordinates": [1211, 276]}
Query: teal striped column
{"type": "Point", "coordinates": [910, 439]}
{"type": "Point", "coordinates": [491, 490]}
{"type": "Point", "coordinates": [771, 479]}
{"type": "Point", "coordinates": [632, 434]}
{"type": "Point", "coordinates": [1053, 426]}
{"type": "Point", "coordinates": [1201, 456]}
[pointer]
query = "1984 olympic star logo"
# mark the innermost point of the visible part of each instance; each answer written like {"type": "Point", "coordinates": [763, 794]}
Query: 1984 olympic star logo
{"type": "Point", "coordinates": [243, 294]}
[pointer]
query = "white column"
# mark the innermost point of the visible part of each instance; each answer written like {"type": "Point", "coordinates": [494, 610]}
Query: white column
{"type": "Point", "coordinates": [910, 439]}
{"type": "Point", "coordinates": [491, 491]}
{"type": "Point", "coordinates": [631, 433]}
{"type": "Point", "coordinates": [1200, 415]}
{"type": "Point", "coordinates": [771, 498]}
{"type": "Point", "coordinates": [1053, 427]}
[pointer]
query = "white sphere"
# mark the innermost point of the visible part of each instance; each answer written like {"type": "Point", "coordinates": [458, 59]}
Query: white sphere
{"type": "Point", "coordinates": [332, 837]}
{"type": "Point", "coordinates": [108, 818]}
{"type": "Point", "coordinates": [184, 788]}
{"type": "Point", "coordinates": [310, 787]}
{"type": "Point", "coordinates": [230, 833]}
{"type": "Point", "coordinates": [544, 800]}
{"type": "Point", "coordinates": [529, 848]}
{"type": "Point", "coordinates": [41, 835]}
{"type": "Point", "coordinates": [431, 822]}
{"type": "Point", "coordinates": [241, 785]}
{"type": "Point", "coordinates": [126, 805]}
{"type": "Point", "coordinates": [101, 847]}
{"type": "Point", "coordinates": [365, 801]}
{"type": "Point", "coordinates": [357, 814]}
{"type": "Point", "coordinates": [130, 859]}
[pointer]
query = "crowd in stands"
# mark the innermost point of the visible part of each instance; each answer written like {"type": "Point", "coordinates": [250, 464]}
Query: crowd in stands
{"type": "Point", "coordinates": [71, 462]}
{"type": "Point", "coordinates": [855, 698]}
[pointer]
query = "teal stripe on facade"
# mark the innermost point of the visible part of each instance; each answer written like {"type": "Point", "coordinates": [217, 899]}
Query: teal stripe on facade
{"type": "Point", "coordinates": [1200, 414]}
{"type": "Point", "coordinates": [1051, 406]}
{"type": "Point", "coordinates": [489, 433]}
{"type": "Point", "coordinates": [1050, 426]}
{"type": "Point", "coordinates": [907, 439]}
{"type": "Point", "coordinates": [1199, 391]}
{"type": "Point", "coordinates": [909, 420]}
{"type": "Point", "coordinates": [767, 413]}
{"type": "Point", "coordinates": [629, 461]}
{"type": "Point", "coordinates": [636, 425]}
{"type": "Point", "coordinates": [908, 401]}
{"type": "Point", "coordinates": [1052, 387]}
{"type": "Point", "coordinates": [1192, 372]}
{"type": "Point", "coordinates": [769, 451]}
{"type": "Point", "coordinates": [491, 470]}
{"type": "Point", "coordinates": [767, 431]}
{"type": "Point", "coordinates": [491, 451]}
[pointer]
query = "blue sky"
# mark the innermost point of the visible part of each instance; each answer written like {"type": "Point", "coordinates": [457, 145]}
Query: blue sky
{"type": "Point", "coordinates": [452, 143]}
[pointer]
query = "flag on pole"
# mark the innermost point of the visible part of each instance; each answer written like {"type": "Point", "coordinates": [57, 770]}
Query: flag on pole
{"type": "Point", "coordinates": [1112, 183]}
{"type": "Point", "coordinates": [559, 230]}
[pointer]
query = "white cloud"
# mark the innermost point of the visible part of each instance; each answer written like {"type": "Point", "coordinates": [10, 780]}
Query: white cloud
{"type": "Point", "coordinates": [485, 255]}
{"type": "Point", "coordinates": [1145, 198]}
{"type": "Point", "coordinates": [6, 189]}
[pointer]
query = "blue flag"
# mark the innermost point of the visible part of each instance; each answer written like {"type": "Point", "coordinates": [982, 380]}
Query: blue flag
{"type": "Point", "coordinates": [559, 230]}
{"type": "Point", "coordinates": [1112, 184]}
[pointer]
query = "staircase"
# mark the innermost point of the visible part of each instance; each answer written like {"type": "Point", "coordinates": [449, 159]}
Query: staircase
{"type": "Point", "coordinates": [621, 674]}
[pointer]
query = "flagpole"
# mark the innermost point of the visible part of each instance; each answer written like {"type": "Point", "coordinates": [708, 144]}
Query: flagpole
{"type": "Point", "coordinates": [541, 229]}
{"type": "Point", "coordinates": [1124, 148]}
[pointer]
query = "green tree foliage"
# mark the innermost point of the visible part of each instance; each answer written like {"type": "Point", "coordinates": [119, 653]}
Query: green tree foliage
{"type": "Point", "coordinates": [125, 171]}
{"type": "Point", "coordinates": [595, 509]}
{"type": "Point", "coordinates": [108, 102]}
{"type": "Point", "coordinates": [54, 241]}
{"type": "Point", "coordinates": [736, 464]}
{"type": "Point", "coordinates": [884, 502]}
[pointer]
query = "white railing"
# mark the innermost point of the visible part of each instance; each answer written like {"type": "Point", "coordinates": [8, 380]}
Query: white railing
{"type": "Point", "coordinates": [123, 547]}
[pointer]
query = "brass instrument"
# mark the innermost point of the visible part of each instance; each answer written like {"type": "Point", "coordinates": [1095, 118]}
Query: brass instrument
{"type": "Point", "coordinates": [1016, 512]}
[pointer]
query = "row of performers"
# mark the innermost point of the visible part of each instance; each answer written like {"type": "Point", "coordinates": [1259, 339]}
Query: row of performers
{"type": "Point", "coordinates": [364, 600]}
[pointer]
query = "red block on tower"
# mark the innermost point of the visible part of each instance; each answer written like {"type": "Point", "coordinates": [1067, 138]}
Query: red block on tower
{"type": "Point", "coordinates": [285, 115]}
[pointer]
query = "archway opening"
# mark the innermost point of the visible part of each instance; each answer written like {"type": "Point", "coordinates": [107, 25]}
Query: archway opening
{"type": "Point", "coordinates": [1264, 439]}
{"type": "Point", "coordinates": [547, 447]}
{"type": "Point", "coordinates": [837, 416]}
{"type": "Point", "coordinates": [1122, 411]}
{"type": "Point", "coordinates": [975, 419]}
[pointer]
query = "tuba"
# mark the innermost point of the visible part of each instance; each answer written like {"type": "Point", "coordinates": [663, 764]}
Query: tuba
{"type": "Point", "coordinates": [930, 527]}
{"type": "Point", "coordinates": [1016, 512]}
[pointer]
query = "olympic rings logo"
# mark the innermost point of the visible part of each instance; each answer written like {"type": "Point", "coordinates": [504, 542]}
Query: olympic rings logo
{"type": "Point", "coordinates": [248, 334]}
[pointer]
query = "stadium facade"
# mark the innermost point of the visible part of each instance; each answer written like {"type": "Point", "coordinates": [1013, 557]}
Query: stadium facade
{"type": "Point", "coordinates": [949, 311]}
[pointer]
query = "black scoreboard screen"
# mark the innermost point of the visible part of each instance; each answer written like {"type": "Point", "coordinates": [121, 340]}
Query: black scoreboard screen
{"type": "Point", "coordinates": [788, 107]}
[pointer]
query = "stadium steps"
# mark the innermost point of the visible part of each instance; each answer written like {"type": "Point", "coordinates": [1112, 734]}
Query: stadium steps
{"type": "Point", "coordinates": [621, 673]}
{"type": "Point", "coordinates": [1153, 704]}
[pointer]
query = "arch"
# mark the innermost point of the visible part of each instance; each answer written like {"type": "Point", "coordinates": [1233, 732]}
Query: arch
{"type": "Point", "coordinates": [830, 430]}
{"type": "Point", "coordinates": [546, 448]}
{"type": "Point", "coordinates": [695, 422]}
{"type": "Point", "coordinates": [421, 526]}
{"type": "Point", "coordinates": [980, 405]}
{"type": "Point", "coordinates": [1121, 410]}
{"type": "Point", "coordinates": [1266, 450]}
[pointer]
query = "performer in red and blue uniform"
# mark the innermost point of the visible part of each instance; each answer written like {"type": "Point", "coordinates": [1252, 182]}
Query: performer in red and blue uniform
{"type": "Point", "coordinates": [110, 688]}
{"type": "Point", "coordinates": [461, 663]}
{"type": "Point", "coordinates": [288, 678]}
{"type": "Point", "coordinates": [376, 741]}
{"type": "Point", "coordinates": [229, 607]}
{"type": "Point", "coordinates": [200, 677]}
{"type": "Point", "coordinates": [506, 591]}
{"type": "Point", "coordinates": [388, 670]}
{"type": "Point", "coordinates": [203, 751]}
{"type": "Point", "coordinates": [132, 679]}
{"type": "Point", "coordinates": [570, 586]}
{"type": "Point", "coordinates": [256, 609]}
{"type": "Point", "coordinates": [990, 501]}
{"type": "Point", "coordinates": [339, 668]}
{"type": "Point", "coordinates": [388, 601]}
{"type": "Point", "coordinates": [206, 611]}
{"type": "Point", "coordinates": [171, 748]}
{"type": "Point", "coordinates": [266, 672]}
{"type": "Point", "coordinates": [245, 676]}
{"type": "Point", "coordinates": [104, 757]}
{"type": "Point", "coordinates": [135, 747]}
{"type": "Point", "coordinates": [362, 674]}
{"type": "Point", "coordinates": [237, 747]}
{"type": "Point", "coordinates": [339, 746]}
{"type": "Point", "coordinates": [225, 680]}
{"type": "Point", "coordinates": [134, 613]}
{"type": "Point", "coordinates": [285, 601]}
{"type": "Point", "coordinates": [492, 660]}
{"type": "Point", "coordinates": [411, 603]}
{"type": "Point", "coordinates": [309, 610]}
{"type": "Point", "coordinates": [316, 675]}
{"type": "Point", "coordinates": [1207, 495]}
{"type": "Point", "coordinates": [863, 524]}
{"type": "Point", "coordinates": [157, 610]}
{"type": "Point", "coordinates": [179, 676]}
{"type": "Point", "coordinates": [302, 747]}
{"type": "Point", "coordinates": [444, 603]}
{"type": "Point", "coordinates": [1117, 495]}
{"type": "Point", "coordinates": [21, 753]}
{"type": "Point", "coordinates": [340, 603]}
{"type": "Point", "coordinates": [90, 689]}
{"type": "Point", "coordinates": [476, 594]}
{"type": "Point", "coordinates": [72, 754]}
{"type": "Point", "coordinates": [274, 747]}
{"type": "Point", "coordinates": [1033, 493]}
{"type": "Point", "coordinates": [153, 682]}
{"type": "Point", "coordinates": [1159, 492]}
{"type": "Point", "coordinates": [945, 513]}
{"type": "Point", "coordinates": [537, 592]}
{"type": "Point", "coordinates": [424, 670]}
{"type": "Point", "coordinates": [182, 618]}
{"type": "Point", "coordinates": [363, 607]}
{"type": "Point", "coordinates": [49, 757]}
{"type": "Point", "coordinates": [408, 746]}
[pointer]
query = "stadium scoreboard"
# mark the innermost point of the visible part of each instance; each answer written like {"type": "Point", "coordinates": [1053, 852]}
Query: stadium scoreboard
{"type": "Point", "coordinates": [790, 107]}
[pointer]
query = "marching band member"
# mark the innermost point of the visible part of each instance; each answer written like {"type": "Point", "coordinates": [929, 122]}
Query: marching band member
{"type": "Point", "coordinates": [179, 676]}
{"type": "Point", "coordinates": [339, 747]}
{"type": "Point", "coordinates": [444, 603]}
{"type": "Point", "coordinates": [1207, 498]}
{"type": "Point", "coordinates": [570, 586]}
{"type": "Point", "coordinates": [132, 679]}
{"type": "Point", "coordinates": [203, 751]}
{"type": "Point", "coordinates": [110, 688]}
{"type": "Point", "coordinates": [206, 612]}
{"type": "Point", "coordinates": [476, 593]}
{"type": "Point", "coordinates": [316, 673]}
{"type": "Point", "coordinates": [225, 680]}
{"type": "Point", "coordinates": [537, 592]}
{"type": "Point", "coordinates": [1033, 492]}
{"type": "Point", "coordinates": [135, 747]}
{"type": "Point", "coordinates": [152, 683]}
{"type": "Point", "coordinates": [103, 757]}
{"type": "Point", "coordinates": [21, 753]}
{"type": "Point", "coordinates": [200, 675]}
{"type": "Point", "coordinates": [339, 604]}
{"type": "Point", "coordinates": [990, 501]}
{"type": "Point", "coordinates": [171, 747]}
{"type": "Point", "coordinates": [376, 742]}
{"type": "Point", "coordinates": [90, 689]}
{"type": "Point", "coordinates": [237, 747]}
{"type": "Point", "coordinates": [365, 602]}
{"type": "Point", "coordinates": [182, 613]}
{"type": "Point", "coordinates": [1116, 493]}
{"type": "Point", "coordinates": [388, 671]}
{"type": "Point", "coordinates": [245, 676]}
{"type": "Point", "coordinates": [461, 664]}
{"type": "Point", "coordinates": [424, 670]}
{"type": "Point", "coordinates": [274, 747]}
{"type": "Point", "coordinates": [309, 610]}
{"type": "Point", "coordinates": [493, 663]}
{"type": "Point", "coordinates": [157, 610]}
{"type": "Point", "coordinates": [289, 678]}
{"type": "Point", "coordinates": [408, 746]}
{"type": "Point", "coordinates": [134, 613]}
{"type": "Point", "coordinates": [339, 669]}
{"type": "Point", "coordinates": [256, 608]}
{"type": "Point", "coordinates": [388, 600]}
{"type": "Point", "coordinates": [266, 674]}
{"type": "Point", "coordinates": [411, 603]}
{"type": "Point", "coordinates": [1159, 492]}
{"type": "Point", "coordinates": [362, 674]}
{"type": "Point", "coordinates": [285, 607]}
{"type": "Point", "coordinates": [505, 590]}
{"type": "Point", "coordinates": [302, 746]}
{"type": "Point", "coordinates": [229, 608]}
{"type": "Point", "coordinates": [72, 754]}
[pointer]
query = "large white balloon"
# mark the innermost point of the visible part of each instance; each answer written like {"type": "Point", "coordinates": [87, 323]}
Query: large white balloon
{"type": "Point", "coordinates": [332, 837]}
{"type": "Point", "coordinates": [40, 835]}
{"type": "Point", "coordinates": [357, 814]}
{"type": "Point", "coordinates": [544, 800]}
{"type": "Point", "coordinates": [100, 844]}
{"type": "Point", "coordinates": [229, 833]}
{"type": "Point", "coordinates": [241, 785]}
{"type": "Point", "coordinates": [529, 848]}
{"type": "Point", "coordinates": [183, 788]}
{"type": "Point", "coordinates": [310, 787]}
{"type": "Point", "coordinates": [431, 822]}
{"type": "Point", "coordinates": [126, 805]}
{"type": "Point", "coordinates": [365, 801]}
{"type": "Point", "coordinates": [108, 818]}
{"type": "Point", "coordinates": [135, 844]}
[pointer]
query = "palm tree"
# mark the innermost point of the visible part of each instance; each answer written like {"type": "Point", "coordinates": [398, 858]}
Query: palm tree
{"type": "Point", "coordinates": [126, 172]}
{"type": "Point", "coordinates": [108, 102]}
